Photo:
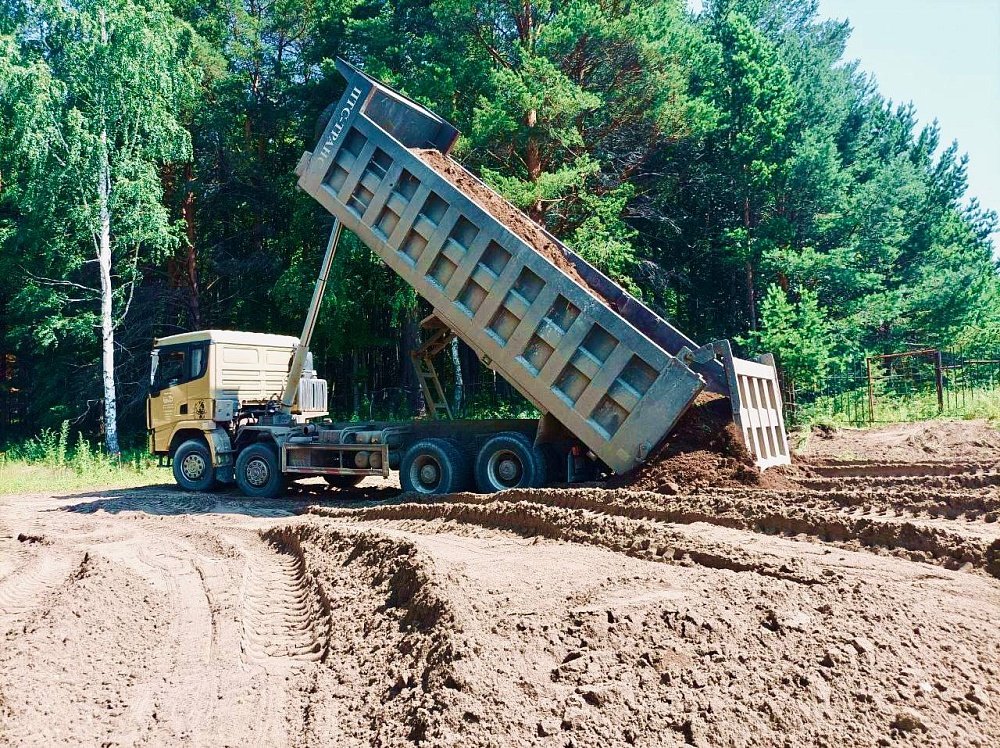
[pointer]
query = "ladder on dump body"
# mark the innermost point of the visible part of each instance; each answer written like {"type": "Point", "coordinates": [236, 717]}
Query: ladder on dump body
{"type": "Point", "coordinates": [423, 364]}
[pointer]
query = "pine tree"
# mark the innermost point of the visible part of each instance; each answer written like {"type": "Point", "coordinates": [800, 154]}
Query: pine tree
{"type": "Point", "coordinates": [800, 335]}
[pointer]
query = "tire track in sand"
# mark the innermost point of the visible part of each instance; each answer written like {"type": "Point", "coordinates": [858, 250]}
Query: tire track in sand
{"type": "Point", "coordinates": [285, 620]}
{"type": "Point", "coordinates": [32, 582]}
{"type": "Point", "coordinates": [181, 692]}
{"type": "Point", "coordinates": [198, 683]}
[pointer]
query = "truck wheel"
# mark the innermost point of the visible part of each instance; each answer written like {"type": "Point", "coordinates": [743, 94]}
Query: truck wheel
{"type": "Point", "coordinates": [434, 466]}
{"type": "Point", "coordinates": [343, 481]}
{"type": "Point", "coordinates": [193, 469]}
{"type": "Point", "coordinates": [258, 472]}
{"type": "Point", "coordinates": [510, 460]}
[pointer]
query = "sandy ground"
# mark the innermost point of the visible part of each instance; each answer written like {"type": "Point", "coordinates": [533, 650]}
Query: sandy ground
{"type": "Point", "coordinates": [859, 607]}
{"type": "Point", "coordinates": [926, 440]}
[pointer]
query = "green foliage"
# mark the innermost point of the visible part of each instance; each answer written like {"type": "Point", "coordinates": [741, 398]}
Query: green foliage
{"type": "Point", "coordinates": [569, 83]}
{"type": "Point", "coordinates": [516, 407]}
{"type": "Point", "coordinates": [704, 162]}
{"type": "Point", "coordinates": [800, 335]}
{"type": "Point", "coordinates": [534, 104]}
{"type": "Point", "coordinates": [90, 95]}
{"type": "Point", "coordinates": [604, 239]}
{"type": "Point", "coordinates": [71, 99]}
{"type": "Point", "coordinates": [364, 301]}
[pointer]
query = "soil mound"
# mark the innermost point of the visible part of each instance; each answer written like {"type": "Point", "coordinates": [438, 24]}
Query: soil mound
{"type": "Point", "coordinates": [688, 635]}
{"type": "Point", "coordinates": [704, 450]}
{"type": "Point", "coordinates": [953, 441]}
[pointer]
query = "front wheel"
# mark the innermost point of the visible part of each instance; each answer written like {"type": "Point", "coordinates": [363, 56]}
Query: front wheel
{"type": "Point", "coordinates": [258, 472]}
{"type": "Point", "coordinates": [193, 469]}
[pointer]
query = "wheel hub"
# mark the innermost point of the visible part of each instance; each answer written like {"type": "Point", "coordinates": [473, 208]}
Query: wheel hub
{"type": "Point", "coordinates": [257, 472]}
{"type": "Point", "coordinates": [425, 474]}
{"type": "Point", "coordinates": [505, 469]}
{"type": "Point", "coordinates": [193, 466]}
{"type": "Point", "coordinates": [429, 474]}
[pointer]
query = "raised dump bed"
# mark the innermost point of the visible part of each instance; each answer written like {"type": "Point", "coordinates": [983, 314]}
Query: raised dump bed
{"type": "Point", "coordinates": [569, 339]}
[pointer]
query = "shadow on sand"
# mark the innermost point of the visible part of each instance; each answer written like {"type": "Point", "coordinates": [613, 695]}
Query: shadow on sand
{"type": "Point", "coordinates": [167, 499]}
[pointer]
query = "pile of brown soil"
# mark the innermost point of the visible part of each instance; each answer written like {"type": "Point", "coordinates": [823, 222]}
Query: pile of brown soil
{"type": "Point", "coordinates": [683, 635]}
{"type": "Point", "coordinates": [705, 449]}
{"type": "Point", "coordinates": [504, 212]}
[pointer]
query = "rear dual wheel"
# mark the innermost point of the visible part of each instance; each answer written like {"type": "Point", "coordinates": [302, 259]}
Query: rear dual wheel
{"type": "Point", "coordinates": [438, 466]}
{"type": "Point", "coordinates": [510, 460]}
{"type": "Point", "coordinates": [435, 466]}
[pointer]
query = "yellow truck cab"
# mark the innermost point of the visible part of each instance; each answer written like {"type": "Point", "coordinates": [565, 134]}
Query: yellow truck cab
{"type": "Point", "coordinates": [204, 383]}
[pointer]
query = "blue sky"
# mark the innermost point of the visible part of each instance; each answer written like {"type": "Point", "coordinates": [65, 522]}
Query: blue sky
{"type": "Point", "coordinates": [944, 56]}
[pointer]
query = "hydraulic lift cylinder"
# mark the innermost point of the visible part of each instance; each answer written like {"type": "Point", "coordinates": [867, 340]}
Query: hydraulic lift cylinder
{"type": "Point", "coordinates": [302, 350]}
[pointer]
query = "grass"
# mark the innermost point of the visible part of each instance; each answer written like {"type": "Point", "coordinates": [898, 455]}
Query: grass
{"type": "Point", "coordinates": [48, 462]}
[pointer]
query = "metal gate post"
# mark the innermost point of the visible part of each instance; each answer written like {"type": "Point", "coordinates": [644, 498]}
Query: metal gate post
{"type": "Point", "coordinates": [939, 380]}
{"type": "Point", "coordinates": [871, 393]}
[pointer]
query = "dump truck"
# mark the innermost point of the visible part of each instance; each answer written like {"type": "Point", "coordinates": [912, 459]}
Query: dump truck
{"type": "Point", "coordinates": [609, 376]}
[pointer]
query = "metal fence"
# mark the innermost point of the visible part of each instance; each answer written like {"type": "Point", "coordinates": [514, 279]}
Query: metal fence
{"type": "Point", "coordinates": [911, 385]}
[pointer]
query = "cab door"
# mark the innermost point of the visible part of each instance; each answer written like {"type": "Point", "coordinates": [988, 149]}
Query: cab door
{"type": "Point", "coordinates": [175, 384]}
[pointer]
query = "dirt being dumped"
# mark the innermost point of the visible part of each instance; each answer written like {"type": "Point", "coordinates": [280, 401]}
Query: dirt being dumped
{"type": "Point", "coordinates": [504, 212]}
{"type": "Point", "coordinates": [705, 449]}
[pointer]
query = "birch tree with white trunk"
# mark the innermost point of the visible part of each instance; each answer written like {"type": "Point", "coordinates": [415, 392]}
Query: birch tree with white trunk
{"type": "Point", "coordinates": [92, 92]}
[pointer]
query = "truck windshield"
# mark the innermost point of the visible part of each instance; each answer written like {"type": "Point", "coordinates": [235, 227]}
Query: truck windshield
{"type": "Point", "coordinates": [178, 364]}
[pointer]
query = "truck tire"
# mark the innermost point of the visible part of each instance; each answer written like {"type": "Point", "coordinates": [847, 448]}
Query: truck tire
{"type": "Point", "coordinates": [343, 481]}
{"type": "Point", "coordinates": [433, 467]}
{"type": "Point", "coordinates": [193, 469]}
{"type": "Point", "coordinates": [510, 460]}
{"type": "Point", "coordinates": [258, 472]}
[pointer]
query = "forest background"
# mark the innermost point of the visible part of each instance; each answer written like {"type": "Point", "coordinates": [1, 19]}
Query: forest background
{"type": "Point", "coordinates": [729, 167]}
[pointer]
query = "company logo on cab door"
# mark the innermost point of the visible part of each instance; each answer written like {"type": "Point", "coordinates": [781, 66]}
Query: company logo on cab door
{"type": "Point", "coordinates": [342, 116]}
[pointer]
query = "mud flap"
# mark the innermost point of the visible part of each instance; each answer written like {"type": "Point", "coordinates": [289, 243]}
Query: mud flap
{"type": "Point", "coordinates": [222, 455]}
{"type": "Point", "coordinates": [756, 399]}
{"type": "Point", "coordinates": [225, 474]}
{"type": "Point", "coordinates": [221, 448]}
